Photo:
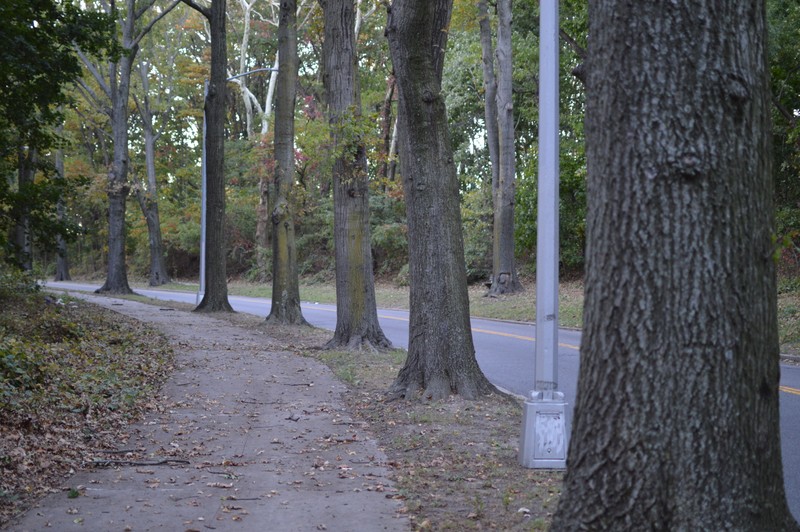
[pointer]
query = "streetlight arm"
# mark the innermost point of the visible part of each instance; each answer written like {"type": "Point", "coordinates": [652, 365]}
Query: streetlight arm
{"type": "Point", "coordinates": [251, 72]}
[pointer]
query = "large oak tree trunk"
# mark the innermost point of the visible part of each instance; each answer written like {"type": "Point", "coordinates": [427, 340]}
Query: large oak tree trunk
{"type": "Point", "coordinates": [356, 311]}
{"type": "Point", "coordinates": [118, 187]}
{"type": "Point", "coordinates": [441, 355]}
{"type": "Point", "coordinates": [676, 421]}
{"type": "Point", "coordinates": [285, 283]}
{"type": "Point", "coordinates": [504, 270]}
{"type": "Point", "coordinates": [215, 298]}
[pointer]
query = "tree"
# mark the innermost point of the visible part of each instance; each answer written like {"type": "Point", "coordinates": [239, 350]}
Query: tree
{"type": "Point", "coordinates": [147, 190]}
{"type": "Point", "coordinates": [676, 420]}
{"type": "Point", "coordinates": [441, 355]}
{"type": "Point", "coordinates": [489, 94]}
{"type": "Point", "coordinates": [117, 90]}
{"type": "Point", "coordinates": [504, 270]}
{"type": "Point", "coordinates": [356, 311]}
{"type": "Point", "coordinates": [62, 262]}
{"type": "Point", "coordinates": [285, 283]}
{"type": "Point", "coordinates": [37, 64]}
{"type": "Point", "coordinates": [215, 298]}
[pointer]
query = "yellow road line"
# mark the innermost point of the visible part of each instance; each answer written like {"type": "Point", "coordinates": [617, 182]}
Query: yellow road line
{"type": "Point", "coordinates": [496, 333]}
{"type": "Point", "coordinates": [785, 389]}
{"type": "Point", "coordinates": [507, 335]}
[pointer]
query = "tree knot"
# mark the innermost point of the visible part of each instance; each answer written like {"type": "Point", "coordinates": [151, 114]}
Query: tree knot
{"type": "Point", "coordinates": [736, 87]}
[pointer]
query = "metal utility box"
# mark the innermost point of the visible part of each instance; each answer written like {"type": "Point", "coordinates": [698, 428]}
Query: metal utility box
{"type": "Point", "coordinates": [543, 444]}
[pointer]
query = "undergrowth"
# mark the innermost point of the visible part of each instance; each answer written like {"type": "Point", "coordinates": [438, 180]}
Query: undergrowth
{"type": "Point", "coordinates": [72, 376]}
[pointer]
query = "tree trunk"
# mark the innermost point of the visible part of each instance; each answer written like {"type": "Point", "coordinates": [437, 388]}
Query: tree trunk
{"type": "Point", "coordinates": [356, 310]}
{"type": "Point", "coordinates": [158, 269]}
{"type": "Point", "coordinates": [504, 270]}
{"type": "Point", "coordinates": [215, 298]}
{"type": "Point", "coordinates": [266, 189]}
{"type": "Point", "coordinates": [62, 264]}
{"type": "Point", "coordinates": [441, 355]}
{"type": "Point", "coordinates": [285, 283]}
{"type": "Point", "coordinates": [21, 237]}
{"type": "Point", "coordinates": [676, 421]}
{"type": "Point", "coordinates": [148, 198]}
{"type": "Point", "coordinates": [118, 187]}
{"type": "Point", "coordinates": [386, 130]}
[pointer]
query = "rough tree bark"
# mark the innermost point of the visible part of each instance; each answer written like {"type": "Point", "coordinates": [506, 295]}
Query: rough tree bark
{"type": "Point", "coordinates": [504, 269]}
{"type": "Point", "coordinates": [117, 90]}
{"type": "Point", "coordinates": [21, 237]}
{"type": "Point", "coordinates": [62, 262]}
{"type": "Point", "coordinates": [676, 421]}
{"type": "Point", "coordinates": [215, 298]}
{"type": "Point", "coordinates": [147, 195]}
{"type": "Point", "coordinates": [356, 310]}
{"type": "Point", "coordinates": [441, 355]}
{"type": "Point", "coordinates": [285, 283]}
{"type": "Point", "coordinates": [117, 188]}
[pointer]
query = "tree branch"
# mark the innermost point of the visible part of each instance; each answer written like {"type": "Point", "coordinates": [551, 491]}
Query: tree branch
{"type": "Point", "coordinates": [161, 15]}
{"type": "Point", "coordinates": [93, 70]}
{"type": "Point", "coordinates": [142, 10]}
{"type": "Point", "coordinates": [579, 50]}
{"type": "Point", "coordinates": [206, 12]}
{"type": "Point", "coordinates": [784, 111]}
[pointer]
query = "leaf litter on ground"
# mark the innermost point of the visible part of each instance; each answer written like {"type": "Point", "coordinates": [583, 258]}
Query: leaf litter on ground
{"type": "Point", "coordinates": [72, 377]}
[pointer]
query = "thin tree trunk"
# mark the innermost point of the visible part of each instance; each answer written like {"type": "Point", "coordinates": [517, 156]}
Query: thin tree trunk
{"type": "Point", "coordinates": [285, 283]}
{"type": "Point", "coordinates": [356, 310]}
{"type": "Point", "coordinates": [386, 128]}
{"type": "Point", "coordinates": [62, 263]}
{"type": "Point", "coordinates": [273, 80]}
{"type": "Point", "coordinates": [676, 421]}
{"type": "Point", "coordinates": [21, 236]}
{"type": "Point", "coordinates": [504, 269]}
{"type": "Point", "coordinates": [441, 355]}
{"type": "Point", "coordinates": [392, 173]}
{"type": "Point", "coordinates": [266, 189]}
{"type": "Point", "coordinates": [148, 198]}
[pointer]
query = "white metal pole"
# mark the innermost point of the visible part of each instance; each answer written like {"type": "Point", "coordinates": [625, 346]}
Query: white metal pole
{"type": "Point", "coordinates": [546, 374]}
{"type": "Point", "coordinates": [202, 289]}
{"type": "Point", "coordinates": [543, 442]}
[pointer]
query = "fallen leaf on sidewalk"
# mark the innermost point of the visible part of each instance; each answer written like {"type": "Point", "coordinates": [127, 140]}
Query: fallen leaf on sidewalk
{"type": "Point", "coordinates": [219, 485]}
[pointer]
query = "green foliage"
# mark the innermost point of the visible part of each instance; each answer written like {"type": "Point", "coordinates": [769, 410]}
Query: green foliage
{"type": "Point", "coordinates": [20, 371]}
{"type": "Point", "coordinates": [389, 235]}
{"type": "Point", "coordinates": [15, 282]}
{"type": "Point", "coordinates": [51, 355]}
{"type": "Point", "coordinates": [476, 217]}
{"type": "Point", "coordinates": [37, 62]}
{"type": "Point", "coordinates": [784, 58]}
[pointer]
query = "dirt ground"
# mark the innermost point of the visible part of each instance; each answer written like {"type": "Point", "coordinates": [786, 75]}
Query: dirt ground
{"type": "Point", "coordinates": [259, 427]}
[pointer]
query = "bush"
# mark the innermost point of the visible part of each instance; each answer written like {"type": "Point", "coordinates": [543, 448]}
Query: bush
{"type": "Point", "coordinates": [15, 282]}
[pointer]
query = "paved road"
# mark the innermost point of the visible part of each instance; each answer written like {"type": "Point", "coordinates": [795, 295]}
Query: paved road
{"type": "Point", "coordinates": [505, 353]}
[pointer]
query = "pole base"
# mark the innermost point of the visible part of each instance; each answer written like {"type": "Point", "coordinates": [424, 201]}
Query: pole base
{"type": "Point", "coordinates": [543, 443]}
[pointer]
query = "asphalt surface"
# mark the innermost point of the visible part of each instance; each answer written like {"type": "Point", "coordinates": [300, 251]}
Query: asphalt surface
{"type": "Point", "coordinates": [505, 352]}
{"type": "Point", "coordinates": [249, 437]}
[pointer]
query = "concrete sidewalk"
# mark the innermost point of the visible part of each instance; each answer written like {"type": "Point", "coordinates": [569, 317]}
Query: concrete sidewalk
{"type": "Point", "coordinates": [249, 438]}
